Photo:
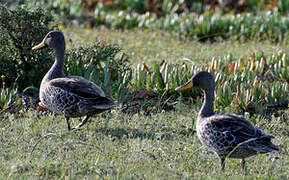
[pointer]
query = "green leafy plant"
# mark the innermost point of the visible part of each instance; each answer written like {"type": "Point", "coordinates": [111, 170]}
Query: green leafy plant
{"type": "Point", "coordinates": [99, 62]}
{"type": "Point", "coordinates": [244, 81]}
{"type": "Point", "coordinates": [176, 16]}
{"type": "Point", "coordinates": [20, 29]}
{"type": "Point", "coordinates": [10, 101]}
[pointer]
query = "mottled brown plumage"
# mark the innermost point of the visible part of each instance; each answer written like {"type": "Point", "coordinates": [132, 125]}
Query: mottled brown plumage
{"type": "Point", "coordinates": [72, 96]}
{"type": "Point", "coordinates": [228, 135]}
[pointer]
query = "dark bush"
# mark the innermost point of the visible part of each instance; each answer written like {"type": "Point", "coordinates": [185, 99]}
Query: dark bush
{"type": "Point", "coordinates": [91, 60]}
{"type": "Point", "coordinates": [20, 29]}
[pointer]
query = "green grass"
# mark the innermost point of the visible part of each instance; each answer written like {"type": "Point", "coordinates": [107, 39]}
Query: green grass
{"type": "Point", "coordinates": [148, 46]}
{"type": "Point", "coordinates": [121, 146]}
{"type": "Point", "coordinates": [115, 145]}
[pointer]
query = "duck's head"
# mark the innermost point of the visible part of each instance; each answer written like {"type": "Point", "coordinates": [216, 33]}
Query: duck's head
{"type": "Point", "coordinates": [202, 79]}
{"type": "Point", "coordinates": [53, 39]}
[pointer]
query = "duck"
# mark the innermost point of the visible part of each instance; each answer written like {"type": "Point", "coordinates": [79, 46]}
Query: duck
{"type": "Point", "coordinates": [71, 96]}
{"type": "Point", "coordinates": [228, 135]}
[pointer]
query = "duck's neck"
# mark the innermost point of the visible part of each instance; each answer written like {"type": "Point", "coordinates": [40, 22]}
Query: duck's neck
{"type": "Point", "coordinates": [208, 105]}
{"type": "Point", "coordinates": [56, 70]}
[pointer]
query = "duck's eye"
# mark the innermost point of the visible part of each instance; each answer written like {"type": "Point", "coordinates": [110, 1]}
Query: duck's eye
{"type": "Point", "coordinates": [49, 35]}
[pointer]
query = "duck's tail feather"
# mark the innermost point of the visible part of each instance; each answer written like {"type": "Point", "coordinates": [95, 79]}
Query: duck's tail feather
{"type": "Point", "coordinates": [105, 106]}
{"type": "Point", "coordinates": [264, 145]}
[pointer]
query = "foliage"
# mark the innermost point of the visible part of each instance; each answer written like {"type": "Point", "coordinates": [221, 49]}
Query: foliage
{"type": "Point", "coordinates": [20, 29]}
{"type": "Point", "coordinates": [256, 79]}
{"type": "Point", "coordinates": [267, 26]}
{"type": "Point", "coordinates": [65, 10]}
{"type": "Point", "coordinates": [176, 16]}
{"type": "Point", "coordinates": [9, 100]}
{"type": "Point", "coordinates": [251, 80]}
{"type": "Point", "coordinates": [93, 61]}
{"type": "Point", "coordinates": [162, 7]}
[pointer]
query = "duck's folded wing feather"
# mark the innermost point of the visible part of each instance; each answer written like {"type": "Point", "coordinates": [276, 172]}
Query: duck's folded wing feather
{"type": "Point", "coordinates": [237, 126]}
{"type": "Point", "coordinates": [78, 86]}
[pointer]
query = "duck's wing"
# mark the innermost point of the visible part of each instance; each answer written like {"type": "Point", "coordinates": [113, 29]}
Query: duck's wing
{"type": "Point", "coordinates": [239, 127]}
{"type": "Point", "coordinates": [238, 130]}
{"type": "Point", "coordinates": [78, 86]}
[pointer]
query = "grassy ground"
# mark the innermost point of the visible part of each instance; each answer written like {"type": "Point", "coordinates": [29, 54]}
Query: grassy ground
{"type": "Point", "coordinates": [113, 145]}
{"type": "Point", "coordinates": [120, 146]}
{"type": "Point", "coordinates": [148, 46]}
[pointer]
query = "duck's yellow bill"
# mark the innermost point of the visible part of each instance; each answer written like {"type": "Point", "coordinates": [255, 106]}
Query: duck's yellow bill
{"type": "Point", "coordinates": [39, 46]}
{"type": "Point", "coordinates": [188, 85]}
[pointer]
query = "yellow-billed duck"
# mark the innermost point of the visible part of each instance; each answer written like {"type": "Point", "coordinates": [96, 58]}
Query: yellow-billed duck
{"type": "Point", "coordinates": [72, 96]}
{"type": "Point", "coordinates": [228, 135]}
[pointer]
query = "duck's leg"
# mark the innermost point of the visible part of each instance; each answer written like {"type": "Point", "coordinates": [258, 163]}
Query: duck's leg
{"type": "Point", "coordinates": [84, 121]}
{"type": "Point", "coordinates": [67, 121]}
{"type": "Point", "coordinates": [243, 164]}
{"type": "Point", "coordinates": [223, 163]}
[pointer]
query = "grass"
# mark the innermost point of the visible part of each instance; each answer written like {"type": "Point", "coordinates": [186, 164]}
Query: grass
{"type": "Point", "coordinates": [121, 146]}
{"type": "Point", "coordinates": [115, 145]}
{"type": "Point", "coordinates": [149, 46]}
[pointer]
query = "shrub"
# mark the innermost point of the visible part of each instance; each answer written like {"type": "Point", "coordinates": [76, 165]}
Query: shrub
{"type": "Point", "coordinates": [99, 62]}
{"type": "Point", "coordinates": [20, 29]}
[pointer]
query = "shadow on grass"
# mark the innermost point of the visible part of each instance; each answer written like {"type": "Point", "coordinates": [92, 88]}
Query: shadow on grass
{"type": "Point", "coordinates": [168, 134]}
